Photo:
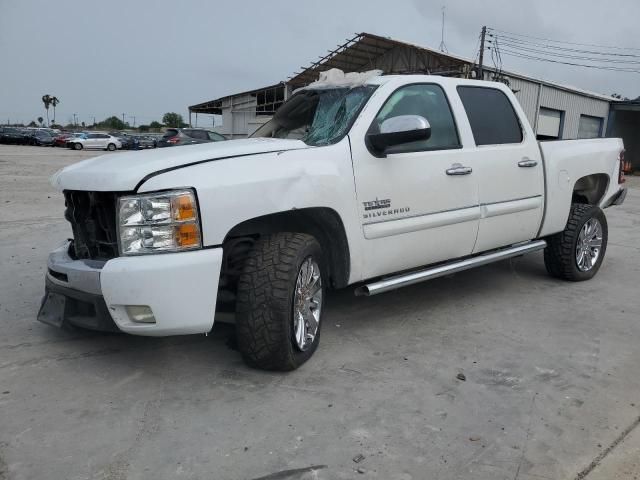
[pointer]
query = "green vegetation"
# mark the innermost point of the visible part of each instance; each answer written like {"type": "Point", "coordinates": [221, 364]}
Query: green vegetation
{"type": "Point", "coordinates": [173, 119]}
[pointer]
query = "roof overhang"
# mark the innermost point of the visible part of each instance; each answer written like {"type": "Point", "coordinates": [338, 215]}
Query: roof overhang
{"type": "Point", "coordinates": [214, 107]}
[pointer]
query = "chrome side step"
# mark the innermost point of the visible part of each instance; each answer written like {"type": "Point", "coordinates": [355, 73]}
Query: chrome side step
{"type": "Point", "coordinates": [403, 280]}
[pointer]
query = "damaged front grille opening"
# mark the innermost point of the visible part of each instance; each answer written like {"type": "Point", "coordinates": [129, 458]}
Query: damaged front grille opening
{"type": "Point", "coordinates": [93, 220]}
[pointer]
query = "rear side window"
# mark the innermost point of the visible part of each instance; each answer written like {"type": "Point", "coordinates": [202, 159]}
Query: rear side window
{"type": "Point", "coordinates": [199, 134]}
{"type": "Point", "coordinates": [170, 133]}
{"type": "Point", "coordinates": [491, 115]}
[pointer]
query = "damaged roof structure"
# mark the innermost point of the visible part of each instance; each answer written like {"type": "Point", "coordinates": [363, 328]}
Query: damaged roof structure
{"type": "Point", "coordinates": [554, 110]}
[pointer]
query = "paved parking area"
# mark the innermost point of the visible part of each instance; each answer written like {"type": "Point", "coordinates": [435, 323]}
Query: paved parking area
{"type": "Point", "coordinates": [552, 385]}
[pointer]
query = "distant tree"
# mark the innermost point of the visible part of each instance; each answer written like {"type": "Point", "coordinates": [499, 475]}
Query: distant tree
{"type": "Point", "coordinates": [54, 103]}
{"type": "Point", "coordinates": [143, 128]}
{"type": "Point", "coordinates": [82, 124]}
{"type": "Point", "coordinates": [40, 120]}
{"type": "Point", "coordinates": [172, 119]}
{"type": "Point", "coordinates": [46, 99]}
{"type": "Point", "coordinates": [33, 124]}
{"type": "Point", "coordinates": [69, 126]}
{"type": "Point", "coordinates": [112, 123]}
{"type": "Point", "coordinates": [155, 125]}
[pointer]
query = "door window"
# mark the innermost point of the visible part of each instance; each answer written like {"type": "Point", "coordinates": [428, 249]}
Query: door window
{"type": "Point", "coordinates": [199, 134]}
{"type": "Point", "coordinates": [428, 101]}
{"type": "Point", "coordinates": [491, 115]}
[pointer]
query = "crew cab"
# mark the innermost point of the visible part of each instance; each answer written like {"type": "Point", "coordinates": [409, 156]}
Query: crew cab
{"type": "Point", "coordinates": [372, 181]}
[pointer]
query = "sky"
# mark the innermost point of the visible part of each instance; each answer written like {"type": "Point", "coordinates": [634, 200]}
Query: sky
{"type": "Point", "coordinates": [143, 58]}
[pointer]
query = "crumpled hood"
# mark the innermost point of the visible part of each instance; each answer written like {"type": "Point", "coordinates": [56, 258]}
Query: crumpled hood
{"type": "Point", "coordinates": [124, 171]}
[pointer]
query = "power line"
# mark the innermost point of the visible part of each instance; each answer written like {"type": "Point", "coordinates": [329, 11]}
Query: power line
{"type": "Point", "coordinates": [566, 55]}
{"type": "Point", "coordinates": [598, 67]}
{"type": "Point", "coordinates": [564, 49]}
{"type": "Point", "coordinates": [563, 41]}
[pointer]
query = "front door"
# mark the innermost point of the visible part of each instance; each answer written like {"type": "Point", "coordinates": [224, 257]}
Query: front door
{"type": "Point", "coordinates": [418, 205]}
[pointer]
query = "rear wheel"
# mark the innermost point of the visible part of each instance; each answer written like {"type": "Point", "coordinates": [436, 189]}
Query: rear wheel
{"type": "Point", "coordinates": [576, 253]}
{"type": "Point", "coordinates": [280, 301]}
{"type": "Point", "coordinates": [77, 146]}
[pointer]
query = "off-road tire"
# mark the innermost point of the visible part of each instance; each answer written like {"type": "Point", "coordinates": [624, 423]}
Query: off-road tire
{"type": "Point", "coordinates": [265, 297]}
{"type": "Point", "coordinates": [560, 254]}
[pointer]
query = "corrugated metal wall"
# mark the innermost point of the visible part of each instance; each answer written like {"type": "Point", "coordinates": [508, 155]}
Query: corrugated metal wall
{"type": "Point", "coordinates": [527, 95]}
{"type": "Point", "coordinates": [572, 104]}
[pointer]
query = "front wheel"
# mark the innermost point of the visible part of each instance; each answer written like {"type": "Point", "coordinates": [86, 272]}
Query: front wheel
{"type": "Point", "coordinates": [576, 253]}
{"type": "Point", "coordinates": [280, 301]}
{"type": "Point", "coordinates": [111, 147]}
{"type": "Point", "coordinates": [77, 146]}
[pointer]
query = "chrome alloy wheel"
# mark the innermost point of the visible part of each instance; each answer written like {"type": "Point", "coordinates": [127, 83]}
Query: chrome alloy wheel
{"type": "Point", "coordinates": [589, 245]}
{"type": "Point", "coordinates": [307, 304]}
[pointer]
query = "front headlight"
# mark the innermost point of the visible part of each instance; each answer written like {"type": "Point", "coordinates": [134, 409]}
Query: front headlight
{"type": "Point", "coordinates": [158, 222]}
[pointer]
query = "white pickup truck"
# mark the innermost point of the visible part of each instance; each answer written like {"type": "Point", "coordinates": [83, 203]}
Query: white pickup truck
{"type": "Point", "coordinates": [380, 184]}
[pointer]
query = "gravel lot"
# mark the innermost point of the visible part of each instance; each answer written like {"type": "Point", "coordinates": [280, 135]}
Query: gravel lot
{"type": "Point", "coordinates": [551, 368]}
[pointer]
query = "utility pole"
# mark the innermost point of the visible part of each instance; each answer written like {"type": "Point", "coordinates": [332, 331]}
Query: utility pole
{"type": "Point", "coordinates": [75, 120]}
{"type": "Point", "coordinates": [123, 119]}
{"type": "Point", "coordinates": [481, 59]}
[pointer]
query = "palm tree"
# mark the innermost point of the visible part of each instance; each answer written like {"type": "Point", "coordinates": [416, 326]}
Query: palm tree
{"type": "Point", "coordinates": [40, 120]}
{"type": "Point", "coordinates": [54, 102]}
{"type": "Point", "coordinates": [46, 99]}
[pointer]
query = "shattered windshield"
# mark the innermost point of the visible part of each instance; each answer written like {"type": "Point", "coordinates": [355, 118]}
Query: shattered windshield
{"type": "Point", "coordinates": [318, 116]}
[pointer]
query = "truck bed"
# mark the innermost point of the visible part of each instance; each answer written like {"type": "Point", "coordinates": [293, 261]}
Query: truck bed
{"type": "Point", "coordinates": [565, 163]}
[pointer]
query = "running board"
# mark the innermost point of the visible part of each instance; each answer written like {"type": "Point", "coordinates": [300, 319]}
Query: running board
{"type": "Point", "coordinates": [405, 279]}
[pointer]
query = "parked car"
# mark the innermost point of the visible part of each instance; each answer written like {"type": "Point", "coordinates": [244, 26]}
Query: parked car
{"type": "Point", "coordinates": [94, 140]}
{"type": "Point", "coordinates": [147, 142]}
{"type": "Point", "coordinates": [395, 181]}
{"type": "Point", "coordinates": [14, 136]}
{"type": "Point", "coordinates": [128, 142]}
{"type": "Point", "coordinates": [174, 137]}
{"type": "Point", "coordinates": [41, 138]}
{"type": "Point", "coordinates": [61, 139]}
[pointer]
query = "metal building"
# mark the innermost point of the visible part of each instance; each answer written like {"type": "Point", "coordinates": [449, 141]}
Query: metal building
{"type": "Point", "coordinates": [555, 111]}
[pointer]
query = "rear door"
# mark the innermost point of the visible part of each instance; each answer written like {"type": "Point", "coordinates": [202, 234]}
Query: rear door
{"type": "Point", "coordinates": [102, 140]}
{"type": "Point", "coordinates": [415, 210]}
{"type": "Point", "coordinates": [509, 167]}
{"type": "Point", "coordinates": [91, 140]}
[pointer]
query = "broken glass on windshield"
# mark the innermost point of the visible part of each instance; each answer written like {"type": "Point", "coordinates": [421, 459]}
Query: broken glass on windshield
{"type": "Point", "coordinates": [317, 116]}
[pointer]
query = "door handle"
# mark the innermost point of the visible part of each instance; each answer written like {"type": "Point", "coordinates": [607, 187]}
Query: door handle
{"type": "Point", "coordinates": [458, 169]}
{"type": "Point", "coordinates": [527, 162]}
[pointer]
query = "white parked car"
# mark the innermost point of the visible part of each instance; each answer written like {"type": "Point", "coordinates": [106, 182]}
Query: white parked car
{"type": "Point", "coordinates": [379, 184]}
{"type": "Point", "coordinates": [100, 141]}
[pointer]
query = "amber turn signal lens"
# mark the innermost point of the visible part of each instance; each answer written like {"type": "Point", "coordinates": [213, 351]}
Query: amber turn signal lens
{"type": "Point", "coordinates": [187, 235]}
{"type": "Point", "coordinates": [183, 208]}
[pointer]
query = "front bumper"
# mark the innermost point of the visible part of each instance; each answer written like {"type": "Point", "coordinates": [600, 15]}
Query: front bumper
{"type": "Point", "coordinates": [179, 288]}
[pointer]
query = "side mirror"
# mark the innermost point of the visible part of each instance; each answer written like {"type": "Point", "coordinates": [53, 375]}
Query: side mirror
{"type": "Point", "coordinates": [399, 130]}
